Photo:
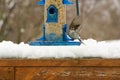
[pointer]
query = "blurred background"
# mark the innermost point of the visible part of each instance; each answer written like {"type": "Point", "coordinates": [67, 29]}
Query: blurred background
{"type": "Point", "coordinates": [21, 20]}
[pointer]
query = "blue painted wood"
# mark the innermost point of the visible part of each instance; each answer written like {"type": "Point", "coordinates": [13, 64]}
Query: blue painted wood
{"type": "Point", "coordinates": [42, 2]}
{"type": "Point", "coordinates": [52, 14]}
{"type": "Point", "coordinates": [52, 40]}
{"type": "Point", "coordinates": [67, 2]}
{"type": "Point", "coordinates": [65, 36]}
{"type": "Point", "coordinates": [40, 43]}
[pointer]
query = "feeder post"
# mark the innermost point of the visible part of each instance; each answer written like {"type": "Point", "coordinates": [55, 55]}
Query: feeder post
{"type": "Point", "coordinates": [77, 8]}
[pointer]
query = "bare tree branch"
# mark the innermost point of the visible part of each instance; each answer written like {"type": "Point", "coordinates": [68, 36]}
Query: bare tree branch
{"type": "Point", "coordinates": [5, 20]}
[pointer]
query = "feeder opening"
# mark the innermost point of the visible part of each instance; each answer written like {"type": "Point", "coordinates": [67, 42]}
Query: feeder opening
{"type": "Point", "coordinates": [52, 11]}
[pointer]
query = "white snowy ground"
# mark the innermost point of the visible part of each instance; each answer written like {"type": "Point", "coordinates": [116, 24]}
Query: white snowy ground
{"type": "Point", "coordinates": [92, 48]}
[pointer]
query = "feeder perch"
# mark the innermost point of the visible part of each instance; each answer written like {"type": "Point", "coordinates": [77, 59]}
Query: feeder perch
{"type": "Point", "coordinates": [54, 27]}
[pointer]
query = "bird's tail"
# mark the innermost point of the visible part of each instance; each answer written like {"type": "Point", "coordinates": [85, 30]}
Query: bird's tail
{"type": "Point", "coordinates": [81, 41]}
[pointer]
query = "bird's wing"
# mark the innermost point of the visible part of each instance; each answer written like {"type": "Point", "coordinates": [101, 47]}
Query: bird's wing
{"type": "Point", "coordinates": [75, 24]}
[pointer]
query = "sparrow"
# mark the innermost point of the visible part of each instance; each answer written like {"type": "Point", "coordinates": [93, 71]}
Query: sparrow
{"type": "Point", "coordinates": [74, 35]}
{"type": "Point", "coordinates": [72, 30]}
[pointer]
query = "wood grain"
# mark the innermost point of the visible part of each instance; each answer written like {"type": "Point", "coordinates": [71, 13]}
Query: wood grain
{"type": "Point", "coordinates": [59, 69]}
{"type": "Point", "coordinates": [6, 73]}
{"type": "Point", "coordinates": [60, 62]}
{"type": "Point", "coordinates": [67, 73]}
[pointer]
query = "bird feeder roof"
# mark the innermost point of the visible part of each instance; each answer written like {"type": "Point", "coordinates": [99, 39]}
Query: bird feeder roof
{"type": "Point", "coordinates": [66, 2]}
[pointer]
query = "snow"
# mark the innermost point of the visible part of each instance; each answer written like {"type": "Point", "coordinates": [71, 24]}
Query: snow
{"type": "Point", "coordinates": [1, 23]}
{"type": "Point", "coordinates": [92, 48]}
{"type": "Point", "coordinates": [22, 30]}
{"type": "Point", "coordinates": [11, 4]}
{"type": "Point", "coordinates": [117, 5]}
{"type": "Point", "coordinates": [116, 2]}
{"type": "Point", "coordinates": [7, 1]}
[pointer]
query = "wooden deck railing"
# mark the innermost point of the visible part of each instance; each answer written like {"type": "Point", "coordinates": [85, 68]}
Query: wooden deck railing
{"type": "Point", "coordinates": [60, 69]}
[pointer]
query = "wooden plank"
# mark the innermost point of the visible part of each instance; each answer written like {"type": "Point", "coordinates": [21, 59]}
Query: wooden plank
{"type": "Point", "coordinates": [60, 62]}
{"type": "Point", "coordinates": [6, 73]}
{"type": "Point", "coordinates": [67, 73]}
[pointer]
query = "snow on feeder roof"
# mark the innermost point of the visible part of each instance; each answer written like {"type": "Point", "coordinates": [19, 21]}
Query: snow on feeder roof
{"type": "Point", "coordinates": [54, 27]}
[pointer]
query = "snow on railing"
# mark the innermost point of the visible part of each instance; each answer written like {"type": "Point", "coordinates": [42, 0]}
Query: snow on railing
{"type": "Point", "coordinates": [92, 48]}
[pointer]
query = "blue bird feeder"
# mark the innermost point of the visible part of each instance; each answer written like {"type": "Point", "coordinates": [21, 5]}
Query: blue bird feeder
{"type": "Point", "coordinates": [55, 27]}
